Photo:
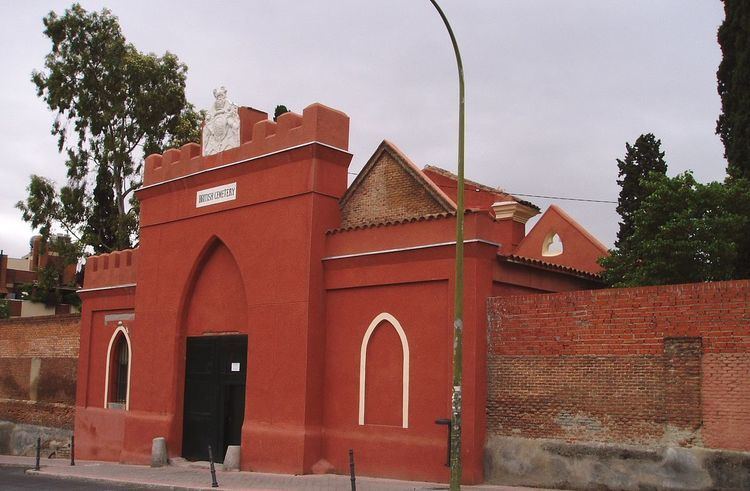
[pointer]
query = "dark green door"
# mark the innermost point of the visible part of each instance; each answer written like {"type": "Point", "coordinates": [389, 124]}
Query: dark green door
{"type": "Point", "coordinates": [215, 372]}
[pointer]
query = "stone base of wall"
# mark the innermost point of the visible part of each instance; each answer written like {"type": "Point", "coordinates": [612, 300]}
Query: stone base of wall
{"type": "Point", "coordinates": [597, 466]}
{"type": "Point", "coordinates": [20, 439]}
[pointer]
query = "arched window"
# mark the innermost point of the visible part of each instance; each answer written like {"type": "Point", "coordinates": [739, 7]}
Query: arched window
{"type": "Point", "coordinates": [120, 371]}
{"type": "Point", "coordinates": [385, 321]}
{"type": "Point", "coordinates": [117, 388]}
{"type": "Point", "coordinates": [552, 245]}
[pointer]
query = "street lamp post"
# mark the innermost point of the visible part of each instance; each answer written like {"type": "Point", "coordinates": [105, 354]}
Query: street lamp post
{"type": "Point", "coordinates": [458, 295]}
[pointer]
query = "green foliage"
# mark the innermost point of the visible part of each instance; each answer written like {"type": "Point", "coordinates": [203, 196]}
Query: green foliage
{"type": "Point", "coordinates": [4, 309]}
{"type": "Point", "coordinates": [733, 79]}
{"type": "Point", "coordinates": [113, 105]}
{"type": "Point", "coordinates": [641, 159]}
{"type": "Point", "coordinates": [684, 232]}
{"type": "Point", "coordinates": [280, 109]}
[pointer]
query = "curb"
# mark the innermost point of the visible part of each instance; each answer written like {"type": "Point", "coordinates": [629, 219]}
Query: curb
{"type": "Point", "coordinates": [106, 480]}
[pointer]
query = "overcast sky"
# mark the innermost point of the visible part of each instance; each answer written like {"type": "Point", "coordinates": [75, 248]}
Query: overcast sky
{"type": "Point", "coordinates": [554, 88]}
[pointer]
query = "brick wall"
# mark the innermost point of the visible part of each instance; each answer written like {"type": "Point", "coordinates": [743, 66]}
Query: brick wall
{"type": "Point", "coordinates": [38, 361]}
{"type": "Point", "coordinates": [389, 193]}
{"type": "Point", "coordinates": [651, 366]}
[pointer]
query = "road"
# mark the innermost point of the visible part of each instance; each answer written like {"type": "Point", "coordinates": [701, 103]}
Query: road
{"type": "Point", "coordinates": [15, 478]}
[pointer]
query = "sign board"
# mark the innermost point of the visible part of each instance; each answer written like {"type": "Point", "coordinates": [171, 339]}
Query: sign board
{"type": "Point", "coordinates": [235, 367]}
{"type": "Point", "coordinates": [218, 194]}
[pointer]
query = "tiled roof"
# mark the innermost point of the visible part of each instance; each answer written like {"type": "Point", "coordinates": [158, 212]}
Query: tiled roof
{"type": "Point", "coordinates": [512, 258]}
{"type": "Point", "coordinates": [385, 223]}
{"type": "Point", "coordinates": [481, 187]}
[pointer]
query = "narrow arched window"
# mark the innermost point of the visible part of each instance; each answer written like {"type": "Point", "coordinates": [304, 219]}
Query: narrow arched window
{"type": "Point", "coordinates": [117, 378]}
{"type": "Point", "coordinates": [120, 369]}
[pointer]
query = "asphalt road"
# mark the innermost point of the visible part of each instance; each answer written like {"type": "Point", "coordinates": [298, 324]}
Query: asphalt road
{"type": "Point", "coordinates": [15, 478]}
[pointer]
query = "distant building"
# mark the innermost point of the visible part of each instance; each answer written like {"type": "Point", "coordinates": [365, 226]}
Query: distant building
{"type": "Point", "coordinates": [16, 273]}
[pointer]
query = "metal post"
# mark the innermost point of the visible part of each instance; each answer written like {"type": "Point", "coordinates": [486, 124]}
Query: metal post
{"type": "Point", "coordinates": [38, 452]}
{"type": "Point", "coordinates": [351, 470]}
{"type": "Point", "coordinates": [446, 422]}
{"type": "Point", "coordinates": [73, 450]}
{"type": "Point", "coordinates": [214, 483]}
{"type": "Point", "coordinates": [458, 297]}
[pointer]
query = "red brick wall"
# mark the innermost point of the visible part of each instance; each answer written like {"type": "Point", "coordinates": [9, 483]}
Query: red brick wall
{"type": "Point", "coordinates": [44, 395]}
{"type": "Point", "coordinates": [388, 193]}
{"type": "Point", "coordinates": [641, 365]}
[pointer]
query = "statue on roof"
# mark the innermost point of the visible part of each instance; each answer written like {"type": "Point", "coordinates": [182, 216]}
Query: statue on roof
{"type": "Point", "coordinates": [221, 130]}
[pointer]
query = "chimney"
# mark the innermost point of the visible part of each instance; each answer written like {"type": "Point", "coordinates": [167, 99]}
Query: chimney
{"type": "Point", "coordinates": [511, 218]}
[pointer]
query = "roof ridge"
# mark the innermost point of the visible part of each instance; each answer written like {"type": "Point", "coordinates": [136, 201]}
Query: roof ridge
{"type": "Point", "coordinates": [401, 159]}
{"type": "Point", "coordinates": [572, 221]}
{"type": "Point", "coordinates": [483, 187]}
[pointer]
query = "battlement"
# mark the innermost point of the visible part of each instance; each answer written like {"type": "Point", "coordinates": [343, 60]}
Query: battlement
{"type": "Point", "coordinates": [116, 268]}
{"type": "Point", "coordinates": [258, 136]}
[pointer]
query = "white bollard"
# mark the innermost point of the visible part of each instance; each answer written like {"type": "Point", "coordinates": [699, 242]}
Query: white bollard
{"type": "Point", "coordinates": [159, 457]}
{"type": "Point", "coordinates": [232, 458]}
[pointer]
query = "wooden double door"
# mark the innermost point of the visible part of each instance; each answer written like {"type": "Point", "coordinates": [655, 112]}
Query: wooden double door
{"type": "Point", "coordinates": [215, 373]}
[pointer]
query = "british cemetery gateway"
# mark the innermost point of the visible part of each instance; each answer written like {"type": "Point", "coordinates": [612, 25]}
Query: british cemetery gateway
{"type": "Point", "coordinates": [271, 305]}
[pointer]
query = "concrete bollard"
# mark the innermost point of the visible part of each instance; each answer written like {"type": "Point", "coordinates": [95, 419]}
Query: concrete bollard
{"type": "Point", "coordinates": [159, 457]}
{"type": "Point", "coordinates": [232, 458]}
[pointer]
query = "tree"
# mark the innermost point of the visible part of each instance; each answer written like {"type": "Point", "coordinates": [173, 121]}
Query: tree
{"type": "Point", "coordinates": [641, 159]}
{"type": "Point", "coordinates": [280, 109]}
{"type": "Point", "coordinates": [113, 105]}
{"type": "Point", "coordinates": [733, 79]}
{"type": "Point", "coordinates": [683, 232]}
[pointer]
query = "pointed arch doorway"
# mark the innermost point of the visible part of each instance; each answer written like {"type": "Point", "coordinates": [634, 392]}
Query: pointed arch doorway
{"type": "Point", "coordinates": [215, 373]}
{"type": "Point", "coordinates": [215, 327]}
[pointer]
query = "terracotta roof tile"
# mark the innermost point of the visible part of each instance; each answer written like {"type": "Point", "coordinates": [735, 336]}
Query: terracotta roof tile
{"type": "Point", "coordinates": [551, 266]}
{"type": "Point", "coordinates": [386, 223]}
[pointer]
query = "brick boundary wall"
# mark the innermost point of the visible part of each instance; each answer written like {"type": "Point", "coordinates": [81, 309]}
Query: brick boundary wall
{"type": "Point", "coordinates": [590, 382]}
{"type": "Point", "coordinates": [650, 365]}
{"type": "Point", "coordinates": [38, 363]}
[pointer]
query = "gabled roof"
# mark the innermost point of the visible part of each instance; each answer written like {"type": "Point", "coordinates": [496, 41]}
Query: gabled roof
{"type": "Point", "coordinates": [391, 189]}
{"type": "Point", "coordinates": [408, 166]}
{"type": "Point", "coordinates": [497, 193]}
{"type": "Point", "coordinates": [580, 250]}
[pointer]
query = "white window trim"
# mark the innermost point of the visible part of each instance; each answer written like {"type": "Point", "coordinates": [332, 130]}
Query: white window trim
{"type": "Point", "coordinates": [363, 366]}
{"type": "Point", "coordinates": [124, 331]}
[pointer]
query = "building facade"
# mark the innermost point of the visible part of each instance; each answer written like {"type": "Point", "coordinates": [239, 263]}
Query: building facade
{"type": "Point", "coordinates": [272, 306]}
{"type": "Point", "coordinates": [19, 275]}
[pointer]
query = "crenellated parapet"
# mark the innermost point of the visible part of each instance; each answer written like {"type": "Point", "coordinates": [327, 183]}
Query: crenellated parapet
{"type": "Point", "coordinates": [258, 136]}
{"type": "Point", "coordinates": [113, 269]}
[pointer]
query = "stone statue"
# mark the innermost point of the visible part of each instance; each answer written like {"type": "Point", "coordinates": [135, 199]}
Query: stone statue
{"type": "Point", "coordinates": [222, 128]}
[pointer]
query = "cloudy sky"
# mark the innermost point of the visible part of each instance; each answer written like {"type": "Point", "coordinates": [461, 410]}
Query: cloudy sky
{"type": "Point", "coordinates": [554, 88]}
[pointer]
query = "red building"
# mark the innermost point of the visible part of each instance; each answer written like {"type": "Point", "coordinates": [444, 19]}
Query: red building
{"type": "Point", "coordinates": [268, 305]}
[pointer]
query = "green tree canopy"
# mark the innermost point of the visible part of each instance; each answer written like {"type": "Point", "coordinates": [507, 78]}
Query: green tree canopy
{"type": "Point", "coordinates": [684, 232]}
{"type": "Point", "coordinates": [733, 79]}
{"type": "Point", "coordinates": [112, 105]}
{"type": "Point", "coordinates": [641, 159]}
{"type": "Point", "coordinates": [280, 109]}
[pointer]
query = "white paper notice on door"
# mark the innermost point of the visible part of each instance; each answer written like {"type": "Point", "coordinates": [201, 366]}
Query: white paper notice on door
{"type": "Point", "coordinates": [235, 367]}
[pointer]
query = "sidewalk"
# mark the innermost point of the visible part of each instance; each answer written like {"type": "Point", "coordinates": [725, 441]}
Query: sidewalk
{"type": "Point", "coordinates": [194, 477]}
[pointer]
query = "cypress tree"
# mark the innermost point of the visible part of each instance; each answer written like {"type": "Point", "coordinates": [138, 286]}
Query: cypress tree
{"type": "Point", "coordinates": [733, 76]}
{"type": "Point", "coordinates": [641, 159]}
